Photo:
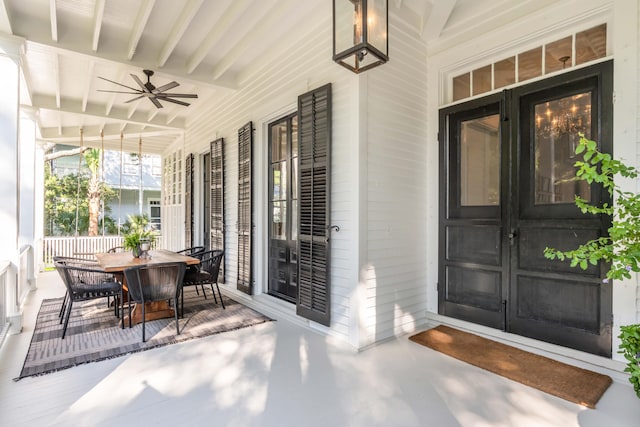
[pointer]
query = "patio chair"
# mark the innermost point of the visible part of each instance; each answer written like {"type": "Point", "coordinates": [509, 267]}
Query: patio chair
{"type": "Point", "coordinates": [86, 282]}
{"type": "Point", "coordinates": [192, 251]}
{"type": "Point", "coordinates": [77, 262]}
{"type": "Point", "coordinates": [206, 273]}
{"type": "Point", "coordinates": [155, 282]}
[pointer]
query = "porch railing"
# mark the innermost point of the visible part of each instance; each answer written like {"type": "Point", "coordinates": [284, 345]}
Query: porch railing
{"type": "Point", "coordinates": [82, 246]}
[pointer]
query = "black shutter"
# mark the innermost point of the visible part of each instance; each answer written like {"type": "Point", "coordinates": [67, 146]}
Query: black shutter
{"type": "Point", "coordinates": [188, 199]}
{"type": "Point", "coordinates": [245, 208]}
{"type": "Point", "coordinates": [217, 199]}
{"type": "Point", "coordinates": [314, 137]}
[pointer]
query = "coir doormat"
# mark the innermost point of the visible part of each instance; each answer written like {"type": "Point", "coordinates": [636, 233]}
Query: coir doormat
{"type": "Point", "coordinates": [568, 382]}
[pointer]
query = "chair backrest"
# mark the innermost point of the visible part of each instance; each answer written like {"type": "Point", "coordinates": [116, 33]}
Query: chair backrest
{"type": "Point", "coordinates": [116, 249]}
{"type": "Point", "coordinates": [155, 282]}
{"type": "Point", "coordinates": [192, 251]}
{"type": "Point", "coordinates": [210, 262]}
{"type": "Point", "coordinates": [81, 277]}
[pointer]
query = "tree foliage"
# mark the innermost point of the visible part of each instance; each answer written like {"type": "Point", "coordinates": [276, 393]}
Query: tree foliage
{"type": "Point", "coordinates": [62, 195]}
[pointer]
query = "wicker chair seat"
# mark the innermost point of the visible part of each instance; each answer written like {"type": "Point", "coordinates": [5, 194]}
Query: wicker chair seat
{"type": "Point", "coordinates": [86, 291]}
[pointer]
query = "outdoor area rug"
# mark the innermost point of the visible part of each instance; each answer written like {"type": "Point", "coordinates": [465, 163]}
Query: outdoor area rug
{"type": "Point", "coordinates": [94, 332]}
{"type": "Point", "coordinates": [559, 379]}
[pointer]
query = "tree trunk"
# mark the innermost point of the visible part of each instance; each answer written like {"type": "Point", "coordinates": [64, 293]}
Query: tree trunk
{"type": "Point", "coordinates": [94, 205]}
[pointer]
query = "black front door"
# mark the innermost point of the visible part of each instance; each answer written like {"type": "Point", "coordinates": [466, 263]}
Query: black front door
{"type": "Point", "coordinates": [283, 208]}
{"type": "Point", "coordinates": [507, 193]}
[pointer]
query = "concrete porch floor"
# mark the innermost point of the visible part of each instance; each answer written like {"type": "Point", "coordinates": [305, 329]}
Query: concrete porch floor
{"type": "Point", "coordinates": [279, 374]}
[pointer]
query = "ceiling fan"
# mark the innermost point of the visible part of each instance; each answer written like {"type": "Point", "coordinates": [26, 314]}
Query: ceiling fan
{"type": "Point", "coordinates": [148, 90]}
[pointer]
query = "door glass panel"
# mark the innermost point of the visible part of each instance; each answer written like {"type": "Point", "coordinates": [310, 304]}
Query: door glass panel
{"type": "Point", "coordinates": [591, 44]}
{"type": "Point", "coordinates": [294, 220]}
{"type": "Point", "coordinates": [482, 80]}
{"type": "Point", "coordinates": [279, 222]}
{"type": "Point", "coordinates": [461, 86]}
{"type": "Point", "coordinates": [279, 142]}
{"type": "Point", "coordinates": [530, 64]}
{"type": "Point", "coordinates": [279, 181]}
{"type": "Point", "coordinates": [558, 55]}
{"type": "Point", "coordinates": [558, 123]}
{"type": "Point", "coordinates": [480, 161]}
{"type": "Point", "coordinates": [504, 72]}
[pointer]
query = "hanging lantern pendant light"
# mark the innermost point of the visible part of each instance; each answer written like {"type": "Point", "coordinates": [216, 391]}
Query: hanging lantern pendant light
{"type": "Point", "coordinates": [360, 29]}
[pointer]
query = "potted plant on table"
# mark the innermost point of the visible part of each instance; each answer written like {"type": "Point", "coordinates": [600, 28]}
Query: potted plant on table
{"type": "Point", "coordinates": [620, 250]}
{"type": "Point", "coordinates": [139, 236]}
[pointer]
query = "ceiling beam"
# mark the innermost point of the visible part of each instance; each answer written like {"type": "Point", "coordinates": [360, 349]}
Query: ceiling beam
{"type": "Point", "coordinates": [138, 27]}
{"type": "Point", "coordinates": [437, 19]}
{"type": "Point", "coordinates": [112, 98]}
{"type": "Point", "coordinates": [56, 74]}
{"type": "Point", "coordinates": [70, 106]}
{"type": "Point", "coordinates": [175, 71]}
{"type": "Point", "coordinates": [87, 86]}
{"type": "Point", "coordinates": [258, 32]}
{"type": "Point", "coordinates": [188, 13]}
{"type": "Point", "coordinates": [97, 23]}
{"type": "Point", "coordinates": [217, 31]}
{"type": "Point", "coordinates": [54, 20]}
{"type": "Point", "coordinates": [5, 23]}
{"type": "Point", "coordinates": [92, 134]}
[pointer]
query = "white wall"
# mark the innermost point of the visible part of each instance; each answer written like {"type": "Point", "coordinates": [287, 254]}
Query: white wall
{"type": "Point", "coordinates": [394, 271]}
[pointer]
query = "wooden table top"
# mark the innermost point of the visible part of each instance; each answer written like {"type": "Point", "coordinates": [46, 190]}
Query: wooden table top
{"type": "Point", "coordinates": [119, 261]}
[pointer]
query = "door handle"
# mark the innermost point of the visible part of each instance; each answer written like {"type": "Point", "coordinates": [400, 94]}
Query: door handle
{"type": "Point", "coordinates": [512, 236]}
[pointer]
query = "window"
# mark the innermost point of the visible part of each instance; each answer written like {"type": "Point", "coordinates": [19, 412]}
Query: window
{"type": "Point", "coordinates": [557, 55]}
{"type": "Point", "coordinates": [154, 213]}
{"type": "Point", "coordinates": [172, 181]}
{"type": "Point", "coordinates": [131, 164]}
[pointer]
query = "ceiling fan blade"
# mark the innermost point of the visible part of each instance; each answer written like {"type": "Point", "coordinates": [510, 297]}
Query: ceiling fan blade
{"type": "Point", "coordinates": [137, 79]}
{"type": "Point", "coordinates": [166, 87]}
{"type": "Point", "coordinates": [155, 102]}
{"type": "Point", "coordinates": [119, 84]}
{"type": "Point", "coordinates": [118, 91]}
{"type": "Point", "coordinates": [177, 95]}
{"type": "Point", "coordinates": [134, 99]}
{"type": "Point", "coordinates": [175, 101]}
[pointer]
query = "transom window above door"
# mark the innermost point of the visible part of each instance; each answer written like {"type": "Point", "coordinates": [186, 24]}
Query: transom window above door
{"type": "Point", "coordinates": [576, 49]}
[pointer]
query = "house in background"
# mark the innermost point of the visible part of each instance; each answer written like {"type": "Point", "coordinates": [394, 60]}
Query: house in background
{"type": "Point", "coordinates": [362, 206]}
{"type": "Point", "coordinates": [122, 174]}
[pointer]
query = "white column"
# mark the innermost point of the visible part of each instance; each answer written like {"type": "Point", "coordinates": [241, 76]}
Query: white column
{"type": "Point", "coordinates": [10, 169]}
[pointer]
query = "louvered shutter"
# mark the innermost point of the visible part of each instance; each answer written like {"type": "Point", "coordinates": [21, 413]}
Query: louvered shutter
{"type": "Point", "coordinates": [314, 137]}
{"type": "Point", "coordinates": [245, 208]}
{"type": "Point", "coordinates": [217, 200]}
{"type": "Point", "coordinates": [188, 199]}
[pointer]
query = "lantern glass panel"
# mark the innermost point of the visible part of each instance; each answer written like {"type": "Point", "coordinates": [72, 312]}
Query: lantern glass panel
{"type": "Point", "coordinates": [343, 25]}
{"type": "Point", "coordinates": [377, 24]}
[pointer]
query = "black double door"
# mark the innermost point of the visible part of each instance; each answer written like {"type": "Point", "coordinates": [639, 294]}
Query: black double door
{"type": "Point", "coordinates": [506, 193]}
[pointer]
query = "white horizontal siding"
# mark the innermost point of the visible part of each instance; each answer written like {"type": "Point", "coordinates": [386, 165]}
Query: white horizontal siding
{"type": "Point", "coordinates": [396, 190]}
{"type": "Point", "coordinates": [267, 93]}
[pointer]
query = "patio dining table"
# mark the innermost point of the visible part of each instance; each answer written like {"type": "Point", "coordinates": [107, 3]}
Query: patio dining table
{"type": "Point", "coordinates": [117, 262]}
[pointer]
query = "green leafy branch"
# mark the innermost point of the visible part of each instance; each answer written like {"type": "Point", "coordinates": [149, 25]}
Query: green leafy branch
{"type": "Point", "coordinates": [621, 248]}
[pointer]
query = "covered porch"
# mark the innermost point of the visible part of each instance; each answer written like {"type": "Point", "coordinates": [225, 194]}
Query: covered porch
{"type": "Point", "coordinates": [282, 374]}
{"type": "Point", "coordinates": [232, 167]}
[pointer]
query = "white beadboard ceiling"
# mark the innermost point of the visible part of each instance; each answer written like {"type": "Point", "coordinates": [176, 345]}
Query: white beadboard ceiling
{"type": "Point", "coordinates": [204, 45]}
